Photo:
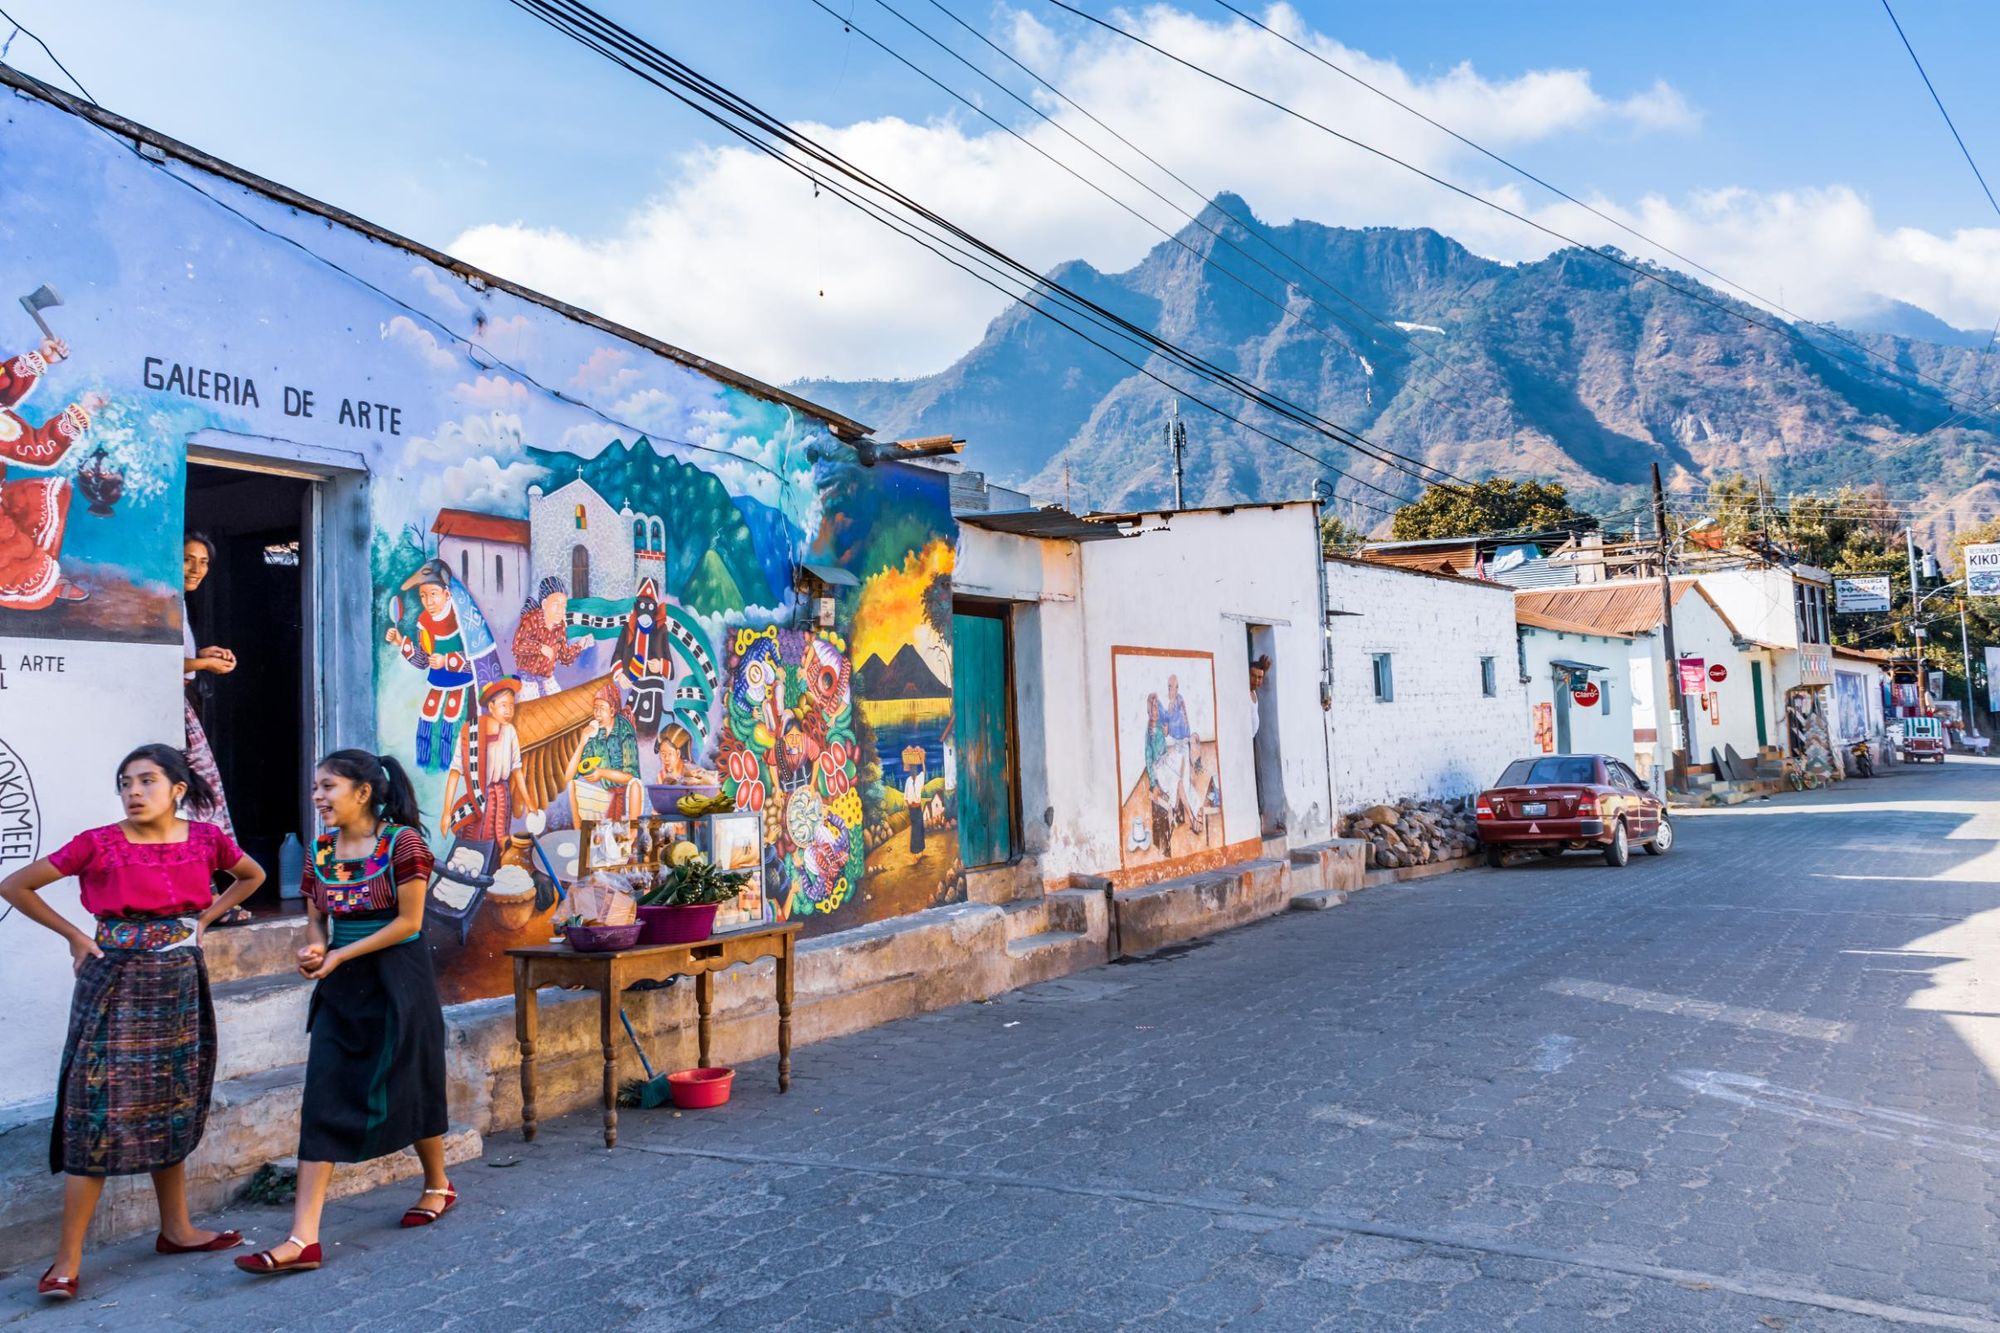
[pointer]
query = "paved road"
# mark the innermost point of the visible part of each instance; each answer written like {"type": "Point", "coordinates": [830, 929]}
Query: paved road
{"type": "Point", "coordinates": [1751, 1085]}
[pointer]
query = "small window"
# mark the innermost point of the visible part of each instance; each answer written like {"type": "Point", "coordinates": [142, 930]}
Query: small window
{"type": "Point", "coordinates": [1489, 679]}
{"type": "Point", "coordinates": [499, 573]}
{"type": "Point", "coordinates": [465, 566]}
{"type": "Point", "coordinates": [1385, 678]}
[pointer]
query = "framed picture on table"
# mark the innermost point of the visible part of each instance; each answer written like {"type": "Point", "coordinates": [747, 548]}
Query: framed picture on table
{"type": "Point", "coordinates": [735, 842]}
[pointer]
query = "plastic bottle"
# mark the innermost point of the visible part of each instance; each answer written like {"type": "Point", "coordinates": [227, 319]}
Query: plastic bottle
{"type": "Point", "coordinates": [291, 866]}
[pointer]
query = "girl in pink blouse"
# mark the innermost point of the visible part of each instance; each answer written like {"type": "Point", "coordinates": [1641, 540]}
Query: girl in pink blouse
{"type": "Point", "coordinates": [140, 1056]}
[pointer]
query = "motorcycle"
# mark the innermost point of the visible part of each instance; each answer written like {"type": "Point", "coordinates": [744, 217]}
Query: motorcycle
{"type": "Point", "coordinates": [1864, 759]}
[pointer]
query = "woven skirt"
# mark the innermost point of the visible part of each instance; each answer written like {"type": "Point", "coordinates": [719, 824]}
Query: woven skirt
{"type": "Point", "coordinates": [138, 1064]}
{"type": "Point", "coordinates": [375, 1067]}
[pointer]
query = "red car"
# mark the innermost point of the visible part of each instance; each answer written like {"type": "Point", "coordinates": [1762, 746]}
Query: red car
{"type": "Point", "coordinates": [1572, 802]}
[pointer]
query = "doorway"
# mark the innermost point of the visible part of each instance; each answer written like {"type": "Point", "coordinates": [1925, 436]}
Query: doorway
{"type": "Point", "coordinates": [980, 745]}
{"type": "Point", "coordinates": [1266, 754]}
{"type": "Point", "coordinates": [253, 603]}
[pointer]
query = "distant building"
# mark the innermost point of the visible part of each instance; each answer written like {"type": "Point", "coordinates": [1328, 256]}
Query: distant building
{"type": "Point", "coordinates": [489, 554]}
{"type": "Point", "coordinates": [597, 551]}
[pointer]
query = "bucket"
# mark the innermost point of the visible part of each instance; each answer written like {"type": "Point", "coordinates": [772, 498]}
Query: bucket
{"type": "Point", "coordinates": [677, 925]}
{"type": "Point", "coordinates": [695, 1088]}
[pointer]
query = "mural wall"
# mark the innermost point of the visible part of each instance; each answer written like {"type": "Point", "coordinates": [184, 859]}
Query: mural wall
{"type": "Point", "coordinates": [583, 574]}
{"type": "Point", "coordinates": [1169, 763]}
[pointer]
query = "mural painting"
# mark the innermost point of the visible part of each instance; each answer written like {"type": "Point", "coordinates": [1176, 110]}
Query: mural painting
{"type": "Point", "coordinates": [1807, 739]}
{"type": "Point", "coordinates": [1170, 795]}
{"type": "Point", "coordinates": [583, 571]}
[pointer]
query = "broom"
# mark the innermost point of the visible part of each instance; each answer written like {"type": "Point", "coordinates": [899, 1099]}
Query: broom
{"type": "Point", "coordinates": [655, 1091]}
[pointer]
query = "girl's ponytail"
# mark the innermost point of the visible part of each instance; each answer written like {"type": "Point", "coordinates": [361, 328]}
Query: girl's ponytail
{"type": "Point", "coordinates": [389, 787]}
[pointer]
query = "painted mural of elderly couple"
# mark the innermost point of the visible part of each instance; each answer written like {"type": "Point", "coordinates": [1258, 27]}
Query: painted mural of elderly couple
{"type": "Point", "coordinates": [1172, 802]}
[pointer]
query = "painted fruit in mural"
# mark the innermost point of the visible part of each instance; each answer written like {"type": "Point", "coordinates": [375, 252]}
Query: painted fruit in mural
{"type": "Point", "coordinates": [788, 751]}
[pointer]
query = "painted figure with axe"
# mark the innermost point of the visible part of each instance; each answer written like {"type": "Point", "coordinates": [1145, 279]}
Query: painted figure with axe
{"type": "Point", "coordinates": [34, 509]}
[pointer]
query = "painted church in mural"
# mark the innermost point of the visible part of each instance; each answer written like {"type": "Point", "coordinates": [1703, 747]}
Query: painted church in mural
{"type": "Point", "coordinates": [586, 577]}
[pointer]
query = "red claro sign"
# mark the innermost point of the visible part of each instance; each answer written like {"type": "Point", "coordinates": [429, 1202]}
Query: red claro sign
{"type": "Point", "coordinates": [1586, 694]}
{"type": "Point", "coordinates": [1718, 673]}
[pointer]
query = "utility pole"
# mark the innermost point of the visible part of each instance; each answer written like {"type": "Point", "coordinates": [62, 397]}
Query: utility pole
{"type": "Point", "coordinates": [1965, 661]}
{"type": "Point", "coordinates": [1677, 720]}
{"type": "Point", "coordinates": [1176, 448]}
{"type": "Point", "coordinates": [1916, 616]}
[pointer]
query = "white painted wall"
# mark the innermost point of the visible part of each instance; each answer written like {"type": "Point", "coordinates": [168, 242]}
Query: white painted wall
{"type": "Point", "coordinates": [1698, 632]}
{"type": "Point", "coordinates": [1439, 736]}
{"type": "Point", "coordinates": [1192, 581]}
{"type": "Point", "coordinates": [72, 711]}
{"type": "Point", "coordinates": [1604, 729]}
{"type": "Point", "coordinates": [1758, 602]}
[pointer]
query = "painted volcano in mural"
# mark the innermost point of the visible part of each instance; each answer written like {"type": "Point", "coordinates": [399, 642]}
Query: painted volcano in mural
{"type": "Point", "coordinates": [904, 676]}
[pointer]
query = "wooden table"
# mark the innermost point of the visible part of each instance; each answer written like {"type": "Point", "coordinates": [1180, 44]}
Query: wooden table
{"type": "Point", "coordinates": [610, 973]}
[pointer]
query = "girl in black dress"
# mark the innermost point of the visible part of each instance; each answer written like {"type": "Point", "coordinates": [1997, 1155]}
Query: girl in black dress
{"type": "Point", "coordinates": [375, 1069]}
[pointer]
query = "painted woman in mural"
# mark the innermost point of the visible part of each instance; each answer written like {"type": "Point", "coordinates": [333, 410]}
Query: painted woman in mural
{"type": "Point", "coordinates": [486, 781]}
{"type": "Point", "coordinates": [33, 510]}
{"type": "Point", "coordinates": [454, 649]}
{"type": "Point", "coordinates": [542, 642]}
{"type": "Point", "coordinates": [604, 779]}
{"type": "Point", "coordinates": [139, 1061]}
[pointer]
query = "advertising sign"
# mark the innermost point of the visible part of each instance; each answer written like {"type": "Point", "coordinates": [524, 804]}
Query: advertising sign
{"type": "Point", "coordinates": [1993, 678]}
{"type": "Point", "coordinates": [1858, 595]}
{"type": "Point", "coordinates": [1586, 694]}
{"type": "Point", "coordinates": [1718, 673]}
{"type": "Point", "coordinates": [1694, 675]}
{"type": "Point", "coordinates": [1982, 570]}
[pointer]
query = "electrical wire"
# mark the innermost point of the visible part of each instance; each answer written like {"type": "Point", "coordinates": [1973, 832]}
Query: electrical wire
{"type": "Point", "coordinates": [1282, 307]}
{"type": "Point", "coordinates": [53, 59]}
{"type": "Point", "coordinates": [1957, 138]}
{"type": "Point", "coordinates": [1638, 270]}
{"type": "Point", "coordinates": [746, 121]}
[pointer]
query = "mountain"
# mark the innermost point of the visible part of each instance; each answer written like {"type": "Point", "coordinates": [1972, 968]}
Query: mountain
{"type": "Point", "coordinates": [1568, 368]}
{"type": "Point", "coordinates": [904, 676]}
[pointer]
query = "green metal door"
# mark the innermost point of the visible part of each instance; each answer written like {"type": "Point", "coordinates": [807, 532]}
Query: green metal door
{"type": "Point", "coordinates": [1757, 693]}
{"type": "Point", "coordinates": [983, 735]}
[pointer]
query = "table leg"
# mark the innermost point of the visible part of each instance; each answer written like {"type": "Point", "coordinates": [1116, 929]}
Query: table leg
{"type": "Point", "coordinates": [607, 1001]}
{"type": "Point", "coordinates": [704, 1003]}
{"type": "Point", "coordinates": [526, 1018]}
{"type": "Point", "coordinates": [785, 1016]}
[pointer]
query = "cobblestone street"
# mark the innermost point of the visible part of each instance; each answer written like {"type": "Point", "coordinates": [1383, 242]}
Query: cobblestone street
{"type": "Point", "coordinates": [1750, 1085]}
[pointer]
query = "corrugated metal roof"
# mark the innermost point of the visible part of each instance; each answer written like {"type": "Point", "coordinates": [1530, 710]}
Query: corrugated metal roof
{"type": "Point", "coordinates": [1052, 524]}
{"type": "Point", "coordinates": [1538, 574]}
{"type": "Point", "coordinates": [1537, 620]}
{"type": "Point", "coordinates": [1622, 609]}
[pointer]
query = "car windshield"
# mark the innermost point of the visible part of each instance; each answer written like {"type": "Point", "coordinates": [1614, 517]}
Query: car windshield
{"type": "Point", "coordinates": [1568, 769]}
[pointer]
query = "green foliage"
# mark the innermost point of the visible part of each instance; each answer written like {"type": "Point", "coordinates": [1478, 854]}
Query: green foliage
{"type": "Point", "coordinates": [937, 605]}
{"type": "Point", "coordinates": [1337, 538]}
{"type": "Point", "coordinates": [1853, 531]}
{"type": "Point", "coordinates": [1496, 505]}
{"type": "Point", "coordinates": [695, 883]}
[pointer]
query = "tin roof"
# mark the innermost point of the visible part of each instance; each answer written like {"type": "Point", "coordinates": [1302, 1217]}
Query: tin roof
{"type": "Point", "coordinates": [1621, 609]}
{"type": "Point", "coordinates": [1051, 524]}
{"type": "Point", "coordinates": [1534, 619]}
{"type": "Point", "coordinates": [480, 527]}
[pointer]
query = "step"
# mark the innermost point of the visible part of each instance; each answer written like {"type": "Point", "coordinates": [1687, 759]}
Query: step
{"type": "Point", "coordinates": [1028, 916]}
{"type": "Point", "coordinates": [260, 1024]}
{"type": "Point", "coordinates": [255, 949]}
{"type": "Point", "coordinates": [1046, 939]}
{"type": "Point", "coordinates": [1051, 954]}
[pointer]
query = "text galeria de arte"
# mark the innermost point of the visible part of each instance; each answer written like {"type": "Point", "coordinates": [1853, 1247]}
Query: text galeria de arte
{"type": "Point", "coordinates": [223, 386]}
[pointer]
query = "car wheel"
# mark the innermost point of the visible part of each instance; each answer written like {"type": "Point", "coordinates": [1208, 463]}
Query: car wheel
{"type": "Point", "coordinates": [1663, 838]}
{"type": "Point", "coordinates": [1495, 857]}
{"type": "Point", "coordinates": [1619, 851]}
{"type": "Point", "coordinates": [1552, 852]}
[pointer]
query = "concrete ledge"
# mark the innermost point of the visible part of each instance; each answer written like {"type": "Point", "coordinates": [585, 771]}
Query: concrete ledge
{"type": "Point", "coordinates": [1318, 900]}
{"type": "Point", "coordinates": [254, 949]}
{"type": "Point", "coordinates": [1401, 874]}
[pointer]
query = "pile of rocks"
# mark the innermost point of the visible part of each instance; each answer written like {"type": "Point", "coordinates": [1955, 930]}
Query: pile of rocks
{"type": "Point", "coordinates": [1415, 833]}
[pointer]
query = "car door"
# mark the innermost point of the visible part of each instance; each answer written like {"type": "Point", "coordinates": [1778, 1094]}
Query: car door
{"type": "Point", "coordinates": [1642, 811]}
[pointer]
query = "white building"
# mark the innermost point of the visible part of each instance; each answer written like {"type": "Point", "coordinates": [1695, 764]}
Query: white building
{"type": "Point", "coordinates": [1106, 623]}
{"type": "Point", "coordinates": [489, 555]}
{"type": "Point", "coordinates": [1724, 708]}
{"type": "Point", "coordinates": [1859, 675]}
{"type": "Point", "coordinates": [1579, 682]}
{"type": "Point", "coordinates": [1427, 690]}
{"type": "Point", "coordinates": [577, 536]}
{"type": "Point", "coordinates": [1787, 614]}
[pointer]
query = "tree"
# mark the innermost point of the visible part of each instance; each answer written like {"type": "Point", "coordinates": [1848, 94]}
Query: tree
{"type": "Point", "coordinates": [1496, 505]}
{"type": "Point", "coordinates": [1337, 537]}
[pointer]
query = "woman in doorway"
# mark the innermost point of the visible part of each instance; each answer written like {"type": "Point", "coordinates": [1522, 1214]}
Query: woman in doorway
{"type": "Point", "coordinates": [197, 554]}
{"type": "Point", "coordinates": [375, 1068]}
{"type": "Point", "coordinates": [139, 1059]}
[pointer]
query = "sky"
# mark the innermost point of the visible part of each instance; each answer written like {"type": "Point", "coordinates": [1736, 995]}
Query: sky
{"type": "Point", "coordinates": [1790, 145]}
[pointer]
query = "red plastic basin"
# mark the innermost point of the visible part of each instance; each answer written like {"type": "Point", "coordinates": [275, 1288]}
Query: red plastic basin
{"type": "Point", "coordinates": [696, 1088]}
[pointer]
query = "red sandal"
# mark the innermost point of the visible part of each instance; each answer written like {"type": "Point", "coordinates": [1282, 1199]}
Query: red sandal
{"type": "Point", "coordinates": [57, 1288]}
{"type": "Point", "coordinates": [222, 1240]}
{"type": "Point", "coordinates": [264, 1261]}
{"type": "Point", "coordinates": [423, 1217]}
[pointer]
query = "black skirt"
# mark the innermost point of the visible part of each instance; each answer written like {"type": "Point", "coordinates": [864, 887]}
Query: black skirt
{"type": "Point", "coordinates": [375, 1069]}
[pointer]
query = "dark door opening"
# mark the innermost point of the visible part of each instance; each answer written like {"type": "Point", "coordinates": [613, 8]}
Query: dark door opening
{"type": "Point", "coordinates": [253, 603]}
{"type": "Point", "coordinates": [1266, 750]}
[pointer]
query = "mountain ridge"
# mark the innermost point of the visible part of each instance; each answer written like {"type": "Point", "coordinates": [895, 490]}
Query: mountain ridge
{"type": "Point", "coordinates": [1565, 368]}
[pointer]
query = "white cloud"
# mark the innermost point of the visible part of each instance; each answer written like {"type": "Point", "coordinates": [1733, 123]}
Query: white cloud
{"type": "Point", "coordinates": [484, 467]}
{"type": "Point", "coordinates": [739, 261]}
{"type": "Point", "coordinates": [495, 392]}
{"type": "Point", "coordinates": [404, 332]}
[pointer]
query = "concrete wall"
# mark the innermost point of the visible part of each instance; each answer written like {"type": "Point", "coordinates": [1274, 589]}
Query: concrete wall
{"type": "Point", "coordinates": [1439, 736]}
{"type": "Point", "coordinates": [1604, 729]}
{"type": "Point", "coordinates": [1758, 602]}
{"type": "Point", "coordinates": [1190, 582]}
{"type": "Point", "coordinates": [1732, 720]}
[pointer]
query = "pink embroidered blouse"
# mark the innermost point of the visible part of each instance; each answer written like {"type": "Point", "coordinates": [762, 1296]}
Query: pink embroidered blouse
{"type": "Point", "coordinates": [122, 878]}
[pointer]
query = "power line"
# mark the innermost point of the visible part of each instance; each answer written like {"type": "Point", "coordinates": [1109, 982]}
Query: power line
{"type": "Point", "coordinates": [1638, 270]}
{"type": "Point", "coordinates": [53, 59]}
{"type": "Point", "coordinates": [1209, 260]}
{"type": "Point", "coordinates": [1957, 138]}
{"type": "Point", "coordinates": [746, 121]}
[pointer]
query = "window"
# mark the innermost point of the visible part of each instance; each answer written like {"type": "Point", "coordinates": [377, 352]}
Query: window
{"type": "Point", "coordinates": [1385, 678]}
{"type": "Point", "coordinates": [465, 567]}
{"type": "Point", "coordinates": [1489, 681]}
{"type": "Point", "coordinates": [582, 519]}
{"type": "Point", "coordinates": [1563, 770]}
{"type": "Point", "coordinates": [579, 571]}
{"type": "Point", "coordinates": [499, 573]}
{"type": "Point", "coordinates": [1809, 612]}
